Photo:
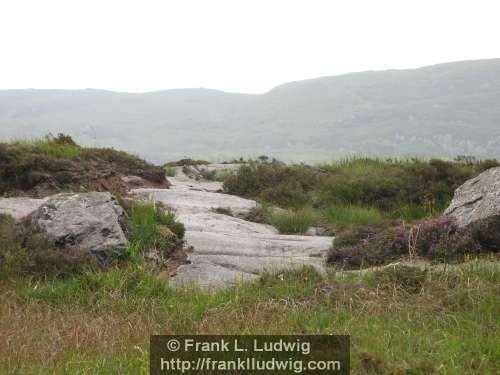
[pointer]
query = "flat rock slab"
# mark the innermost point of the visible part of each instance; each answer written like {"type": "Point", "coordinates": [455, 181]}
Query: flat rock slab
{"type": "Point", "coordinates": [226, 250]}
{"type": "Point", "coordinates": [192, 200]}
{"type": "Point", "coordinates": [19, 208]}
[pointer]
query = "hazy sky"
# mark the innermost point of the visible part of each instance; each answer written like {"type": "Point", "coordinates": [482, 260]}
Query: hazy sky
{"type": "Point", "coordinates": [232, 45]}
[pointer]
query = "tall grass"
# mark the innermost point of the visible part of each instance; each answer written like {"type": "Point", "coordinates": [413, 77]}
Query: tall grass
{"type": "Point", "coordinates": [400, 321]}
{"type": "Point", "coordinates": [349, 215]}
{"type": "Point", "coordinates": [153, 227]}
{"type": "Point", "coordinates": [171, 171]}
{"type": "Point", "coordinates": [293, 221]}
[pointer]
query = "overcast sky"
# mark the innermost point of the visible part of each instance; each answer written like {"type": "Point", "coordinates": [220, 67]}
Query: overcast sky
{"type": "Point", "coordinates": [232, 45]}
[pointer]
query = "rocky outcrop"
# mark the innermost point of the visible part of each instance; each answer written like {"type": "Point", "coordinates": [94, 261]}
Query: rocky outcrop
{"type": "Point", "coordinates": [478, 198]}
{"type": "Point", "coordinates": [89, 222]}
{"type": "Point", "coordinates": [226, 250]}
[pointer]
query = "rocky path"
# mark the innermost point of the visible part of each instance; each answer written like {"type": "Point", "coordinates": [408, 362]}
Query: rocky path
{"type": "Point", "coordinates": [225, 250]}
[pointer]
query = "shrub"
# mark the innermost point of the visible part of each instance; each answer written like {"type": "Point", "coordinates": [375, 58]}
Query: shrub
{"type": "Point", "coordinates": [486, 232]}
{"type": "Point", "coordinates": [437, 239]}
{"type": "Point", "coordinates": [274, 182]}
{"type": "Point", "coordinates": [260, 213]}
{"type": "Point", "coordinates": [292, 221]}
{"type": "Point", "coordinates": [409, 189]}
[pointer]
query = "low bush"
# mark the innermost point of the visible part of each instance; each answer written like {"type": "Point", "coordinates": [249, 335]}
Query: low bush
{"type": "Point", "coordinates": [274, 182]}
{"type": "Point", "coordinates": [408, 189]}
{"type": "Point", "coordinates": [437, 239]}
{"type": "Point", "coordinates": [486, 232]}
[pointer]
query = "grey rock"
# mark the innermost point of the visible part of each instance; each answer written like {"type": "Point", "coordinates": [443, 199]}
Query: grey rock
{"type": "Point", "coordinates": [135, 180]}
{"type": "Point", "coordinates": [226, 250]}
{"type": "Point", "coordinates": [90, 222]}
{"type": "Point", "coordinates": [477, 198]}
{"type": "Point", "coordinates": [19, 208]}
{"type": "Point", "coordinates": [209, 276]}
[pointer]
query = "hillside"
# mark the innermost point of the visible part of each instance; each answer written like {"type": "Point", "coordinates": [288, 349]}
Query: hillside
{"type": "Point", "coordinates": [443, 110]}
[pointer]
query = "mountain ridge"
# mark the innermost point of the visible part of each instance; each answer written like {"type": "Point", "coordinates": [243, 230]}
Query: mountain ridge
{"type": "Point", "coordinates": [436, 111]}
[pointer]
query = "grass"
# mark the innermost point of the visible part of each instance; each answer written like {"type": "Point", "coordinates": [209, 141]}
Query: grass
{"type": "Point", "coordinates": [153, 228]}
{"type": "Point", "coordinates": [442, 320]}
{"type": "Point", "coordinates": [60, 151]}
{"type": "Point", "coordinates": [292, 221]}
{"type": "Point", "coordinates": [352, 215]}
{"type": "Point", "coordinates": [54, 164]}
{"type": "Point", "coordinates": [420, 187]}
{"type": "Point", "coordinates": [171, 171]}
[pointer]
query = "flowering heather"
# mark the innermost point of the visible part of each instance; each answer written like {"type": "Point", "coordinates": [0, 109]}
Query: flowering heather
{"type": "Point", "coordinates": [436, 239]}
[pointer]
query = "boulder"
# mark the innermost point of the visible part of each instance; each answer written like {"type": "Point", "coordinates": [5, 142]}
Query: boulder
{"type": "Point", "coordinates": [89, 222]}
{"type": "Point", "coordinates": [478, 198]}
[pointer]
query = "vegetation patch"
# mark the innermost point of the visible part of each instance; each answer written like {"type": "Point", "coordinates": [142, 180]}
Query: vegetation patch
{"type": "Point", "coordinates": [409, 189]}
{"type": "Point", "coordinates": [292, 221]}
{"type": "Point", "coordinates": [23, 253]}
{"type": "Point", "coordinates": [155, 235]}
{"type": "Point", "coordinates": [54, 164]}
{"type": "Point", "coordinates": [401, 321]}
{"type": "Point", "coordinates": [440, 240]}
{"type": "Point", "coordinates": [171, 171]}
{"type": "Point", "coordinates": [185, 162]}
{"type": "Point", "coordinates": [352, 215]}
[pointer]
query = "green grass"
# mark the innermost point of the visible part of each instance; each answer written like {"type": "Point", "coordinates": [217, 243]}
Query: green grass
{"type": "Point", "coordinates": [47, 147]}
{"type": "Point", "coordinates": [349, 215]}
{"type": "Point", "coordinates": [171, 171]}
{"type": "Point", "coordinates": [152, 227]}
{"type": "Point", "coordinates": [443, 320]}
{"type": "Point", "coordinates": [293, 221]}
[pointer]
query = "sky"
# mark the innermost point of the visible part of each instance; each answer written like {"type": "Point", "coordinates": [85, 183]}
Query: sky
{"type": "Point", "coordinates": [245, 46]}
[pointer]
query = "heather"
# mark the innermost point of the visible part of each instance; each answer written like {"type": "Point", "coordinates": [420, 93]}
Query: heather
{"type": "Point", "coordinates": [438, 240]}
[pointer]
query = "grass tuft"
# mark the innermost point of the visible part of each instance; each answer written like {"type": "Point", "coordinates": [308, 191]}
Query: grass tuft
{"type": "Point", "coordinates": [293, 221]}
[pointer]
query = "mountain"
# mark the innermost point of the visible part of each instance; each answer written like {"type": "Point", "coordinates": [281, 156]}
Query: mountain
{"type": "Point", "coordinates": [442, 110]}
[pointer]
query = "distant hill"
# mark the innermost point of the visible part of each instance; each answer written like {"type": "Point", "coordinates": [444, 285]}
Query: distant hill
{"type": "Point", "coordinates": [443, 110]}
